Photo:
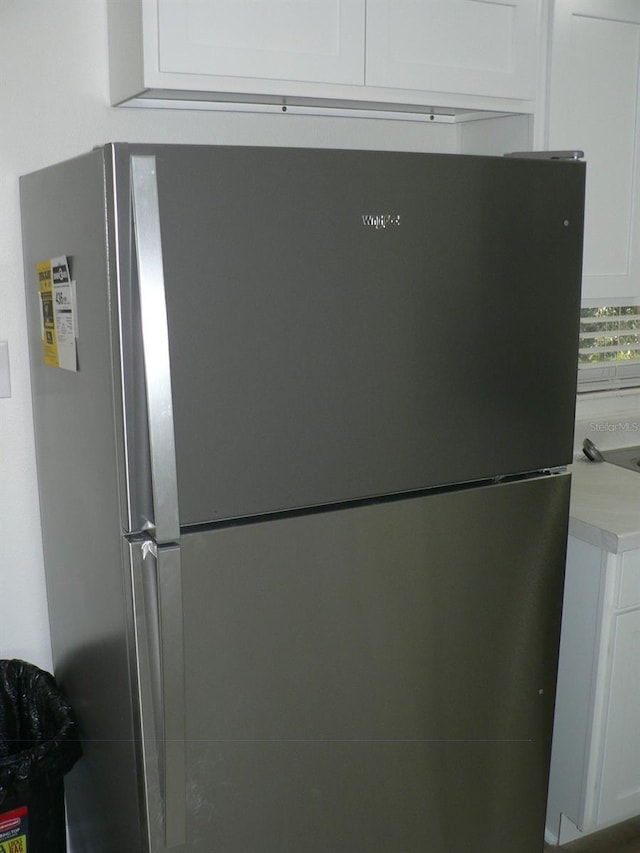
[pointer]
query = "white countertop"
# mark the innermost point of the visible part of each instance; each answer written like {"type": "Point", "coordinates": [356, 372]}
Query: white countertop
{"type": "Point", "coordinates": [605, 505]}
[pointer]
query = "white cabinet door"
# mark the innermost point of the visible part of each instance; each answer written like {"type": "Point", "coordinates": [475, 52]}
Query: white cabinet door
{"type": "Point", "coordinates": [595, 760]}
{"type": "Point", "coordinates": [459, 55]}
{"type": "Point", "coordinates": [476, 47]}
{"type": "Point", "coordinates": [620, 783]}
{"type": "Point", "coordinates": [303, 40]}
{"type": "Point", "coordinates": [593, 106]}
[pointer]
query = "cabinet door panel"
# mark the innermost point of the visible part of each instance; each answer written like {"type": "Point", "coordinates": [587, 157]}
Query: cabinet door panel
{"type": "Point", "coordinates": [305, 40]}
{"type": "Point", "coordinates": [620, 789]}
{"type": "Point", "coordinates": [463, 46]}
{"type": "Point", "coordinates": [593, 107]}
{"type": "Point", "coordinates": [629, 585]}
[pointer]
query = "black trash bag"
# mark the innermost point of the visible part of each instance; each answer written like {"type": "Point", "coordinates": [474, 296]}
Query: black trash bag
{"type": "Point", "coordinates": [39, 743]}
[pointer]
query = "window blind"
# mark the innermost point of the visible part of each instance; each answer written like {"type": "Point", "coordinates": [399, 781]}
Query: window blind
{"type": "Point", "coordinates": [609, 349]}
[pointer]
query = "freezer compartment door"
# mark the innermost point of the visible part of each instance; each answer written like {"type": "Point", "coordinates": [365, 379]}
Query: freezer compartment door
{"type": "Point", "coordinates": [375, 679]}
{"type": "Point", "coordinates": [347, 324]}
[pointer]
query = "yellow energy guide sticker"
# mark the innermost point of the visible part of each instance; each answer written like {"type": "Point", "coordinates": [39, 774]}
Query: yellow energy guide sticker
{"type": "Point", "coordinates": [58, 314]}
{"type": "Point", "coordinates": [49, 340]}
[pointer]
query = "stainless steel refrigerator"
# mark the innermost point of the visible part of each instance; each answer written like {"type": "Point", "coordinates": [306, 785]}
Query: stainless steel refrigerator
{"type": "Point", "coordinates": [302, 418]}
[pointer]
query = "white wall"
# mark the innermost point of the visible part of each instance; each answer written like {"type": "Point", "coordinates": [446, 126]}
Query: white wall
{"type": "Point", "coordinates": [53, 105]}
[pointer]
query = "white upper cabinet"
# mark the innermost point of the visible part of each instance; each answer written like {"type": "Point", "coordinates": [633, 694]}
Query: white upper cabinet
{"type": "Point", "coordinates": [476, 47]}
{"type": "Point", "coordinates": [306, 40]}
{"type": "Point", "coordinates": [593, 106]}
{"type": "Point", "coordinates": [396, 54]}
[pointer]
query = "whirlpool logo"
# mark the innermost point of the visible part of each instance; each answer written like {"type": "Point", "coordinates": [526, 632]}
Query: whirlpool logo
{"type": "Point", "coordinates": [380, 220]}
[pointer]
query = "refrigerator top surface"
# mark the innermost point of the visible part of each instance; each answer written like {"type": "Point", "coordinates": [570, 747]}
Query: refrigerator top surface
{"type": "Point", "coordinates": [348, 324]}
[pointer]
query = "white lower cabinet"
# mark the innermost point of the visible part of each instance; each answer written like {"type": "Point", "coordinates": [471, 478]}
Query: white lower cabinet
{"type": "Point", "coordinates": [620, 784]}
{"type": "Point", "coordinates": [595, 763]}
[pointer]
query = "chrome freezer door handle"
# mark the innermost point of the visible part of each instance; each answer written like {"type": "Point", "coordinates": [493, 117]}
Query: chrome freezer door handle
{"type": "Point", "coordinates": [155, 346]}
{"type": "Point", "coordinates": [158, 627]}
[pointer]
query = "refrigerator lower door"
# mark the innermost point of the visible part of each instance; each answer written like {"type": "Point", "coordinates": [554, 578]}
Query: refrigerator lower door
{"type": "Point", "coordinates": [375, 678]}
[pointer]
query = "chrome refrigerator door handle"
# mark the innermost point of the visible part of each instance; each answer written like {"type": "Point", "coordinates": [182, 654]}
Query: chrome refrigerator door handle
{"type": "Point", "coordinates": [173, 687]}
{"type": "Point", "coordinates": [169, 647]}
{"type": "Point", "coordinates": [158, 620]}
{"type": "Point", "coordinates": [155, 345]}
{"type": "Point", "coordinates": [148, 680]}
